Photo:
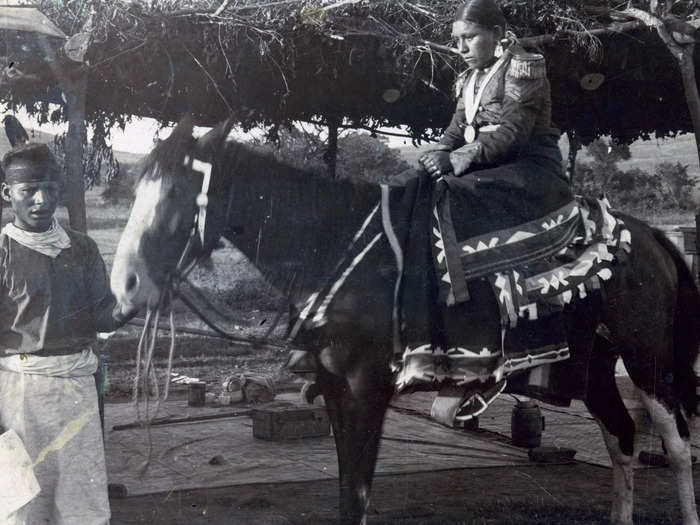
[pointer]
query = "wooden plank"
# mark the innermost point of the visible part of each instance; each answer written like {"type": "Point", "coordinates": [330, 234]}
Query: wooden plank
{"type": "Point", "coordinates": [188, 419]}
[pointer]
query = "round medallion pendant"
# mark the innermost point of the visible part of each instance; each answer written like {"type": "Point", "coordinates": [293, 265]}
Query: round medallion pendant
{"type": "Point", "coordinates": [470, 134]}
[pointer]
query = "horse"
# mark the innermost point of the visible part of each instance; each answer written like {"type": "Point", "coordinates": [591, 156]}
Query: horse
{"type": "Point", "coordinates": [295, 227]}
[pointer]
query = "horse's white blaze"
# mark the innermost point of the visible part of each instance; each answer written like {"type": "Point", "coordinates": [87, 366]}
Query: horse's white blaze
{"type": "Point", "coordinates": [127, 263]}
{"type": "Point", "coordinates": [623, 479]}
{"type": "Point", "coordinates": [143, 211]}
{"type": "Point", "coordinates": [678, 454]}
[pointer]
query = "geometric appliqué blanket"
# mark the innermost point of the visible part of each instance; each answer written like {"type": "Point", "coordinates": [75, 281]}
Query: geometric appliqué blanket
{"type": "Point", "coordinates": [534, 269]}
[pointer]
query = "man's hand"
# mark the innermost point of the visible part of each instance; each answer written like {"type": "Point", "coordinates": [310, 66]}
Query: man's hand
{"type": "Point", "coordinates": [436, 163]}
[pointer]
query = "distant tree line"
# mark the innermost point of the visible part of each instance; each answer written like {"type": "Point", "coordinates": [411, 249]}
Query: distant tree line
{"type": "Point", "coordinates": [636, 191]}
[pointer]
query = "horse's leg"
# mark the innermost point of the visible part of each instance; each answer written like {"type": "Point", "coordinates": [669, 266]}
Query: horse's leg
{"type": "Point", "coordinates": [605, 404]}
{"type": "Point", "coordinates": [673, 427]}
{"type": "Point", "coordinates": [357, 399]}
{"type": "Point", "coordinates": [650, 310]}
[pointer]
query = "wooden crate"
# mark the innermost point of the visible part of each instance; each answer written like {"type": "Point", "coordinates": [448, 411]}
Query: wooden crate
{"type": "Point", "coordinates": [277, 422]}
{"type": "Point", "coordinates": [690, 236]}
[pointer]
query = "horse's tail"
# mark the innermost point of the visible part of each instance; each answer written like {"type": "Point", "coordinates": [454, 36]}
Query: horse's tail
{"type": "Point", "coordinates": [686, 335]}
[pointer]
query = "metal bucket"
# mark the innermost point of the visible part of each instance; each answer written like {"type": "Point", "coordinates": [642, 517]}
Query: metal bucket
{"type": "Point", "coordinates": [196, 394]}
{"type": "Point", "coordinates": [526, 425]}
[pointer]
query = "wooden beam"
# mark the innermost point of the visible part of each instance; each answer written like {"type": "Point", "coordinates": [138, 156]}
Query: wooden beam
{"type": "Point", "coordinates": [248, 341]}
{"type": "Point", "coordinates": [187, 419]}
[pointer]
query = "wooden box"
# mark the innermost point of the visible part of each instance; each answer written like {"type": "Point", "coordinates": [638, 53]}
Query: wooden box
{"type": "Point", "coordinates": [690, 239]}
{"type": "Point", "coordinates": [277, 422]}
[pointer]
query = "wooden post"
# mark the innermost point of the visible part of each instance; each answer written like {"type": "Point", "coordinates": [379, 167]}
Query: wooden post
{"type": "Point", "coordinates": [76, 138]}
{"type": "Point", "coordinates": [690, 88]}
{"type": "Point", "coordinates": [574, 147]}
{"type": "Point", "coordinates": [697, 248]}
{"type": "Point", "coordinates": [331, 154]}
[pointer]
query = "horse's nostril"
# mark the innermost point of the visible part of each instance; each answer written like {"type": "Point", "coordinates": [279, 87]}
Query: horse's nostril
{"type": "Point", "coordinates": [132, 282]}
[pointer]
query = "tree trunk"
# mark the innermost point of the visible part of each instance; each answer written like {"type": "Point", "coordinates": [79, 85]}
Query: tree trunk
{"type": "Point", "coordinates": [76, 138]}
{"type": "Point", "coordinates": [697, 248]}
{"type": "Point", "coordinates": [574, 147]}
{"type": "Point", "coordinates": [331, 154]}
{"type": "Point", "coordinates": [692, 98]}
{"type": "Point", "coordinates": [682, 49]}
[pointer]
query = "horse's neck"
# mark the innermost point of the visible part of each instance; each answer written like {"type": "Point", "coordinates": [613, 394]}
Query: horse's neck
{"type": "Point", "coordinates": [294, 226]}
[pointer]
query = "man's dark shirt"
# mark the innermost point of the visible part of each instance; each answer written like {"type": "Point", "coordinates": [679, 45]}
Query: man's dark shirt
{"type": "Point", "coordinates": [53, 305]}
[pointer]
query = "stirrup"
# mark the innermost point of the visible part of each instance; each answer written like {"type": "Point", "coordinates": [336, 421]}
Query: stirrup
{"type": "Point", "coordinates": [475, 402]}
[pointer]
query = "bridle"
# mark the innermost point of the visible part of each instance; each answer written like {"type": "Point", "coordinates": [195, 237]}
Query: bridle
{"type": "Point", "coordinates": [197, 235]}
{"type": "Point", "coordinates": [183, 268]}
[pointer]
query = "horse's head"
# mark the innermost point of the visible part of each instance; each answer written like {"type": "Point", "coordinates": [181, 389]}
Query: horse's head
{"type": "Point", "coordinates": [166, 228]}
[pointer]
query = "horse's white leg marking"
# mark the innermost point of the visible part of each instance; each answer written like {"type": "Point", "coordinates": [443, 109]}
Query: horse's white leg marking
{"type": "Point", "coordinates": [678, 454]}
{"type": "Point", "coordinates": [623, 479]}
{"type": "Point", "coordinates": [363, 496]}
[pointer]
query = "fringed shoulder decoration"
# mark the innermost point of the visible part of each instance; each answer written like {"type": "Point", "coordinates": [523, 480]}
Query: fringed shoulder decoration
{"type": "Point", "coordinates": [526, 65]}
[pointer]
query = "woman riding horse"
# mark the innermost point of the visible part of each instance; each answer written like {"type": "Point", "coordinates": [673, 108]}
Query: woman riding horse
{"type": "Point", "coordinates": [500, 148]}
{"type": "Point", "coordinates": [499, 156]}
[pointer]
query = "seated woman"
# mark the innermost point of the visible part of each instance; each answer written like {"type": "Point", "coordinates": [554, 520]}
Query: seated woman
{"type": "Point", "coordinates": [500, 155]}
{"type": "Point", "coordinates": [500, 142]}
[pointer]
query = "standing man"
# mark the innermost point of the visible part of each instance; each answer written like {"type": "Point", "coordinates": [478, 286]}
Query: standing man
{"type": "Point", "coordinates": [54, 298]}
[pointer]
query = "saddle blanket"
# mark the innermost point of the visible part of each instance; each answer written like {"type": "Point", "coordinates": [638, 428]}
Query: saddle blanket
{"type": "Point", "coordinates": [541, 263]}
{"type": "Point", "coordinates": [533, 270]}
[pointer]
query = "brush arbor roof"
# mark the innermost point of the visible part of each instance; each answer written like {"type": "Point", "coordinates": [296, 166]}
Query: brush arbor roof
{"type": "Point", "coordinates": [358, 62]}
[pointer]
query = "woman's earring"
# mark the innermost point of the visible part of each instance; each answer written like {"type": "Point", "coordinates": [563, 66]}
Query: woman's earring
{"type": "Point", "coordinates": [498, 52]}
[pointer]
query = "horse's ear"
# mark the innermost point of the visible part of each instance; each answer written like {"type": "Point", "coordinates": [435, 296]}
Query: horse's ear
{"type": "Point", "coordinates": [178, 142]}
{"type": "Point", "coordinates": [183, 129]}
{"type": "Point", "coordinates": [208, 145]}
{"type": "Point", "coordinates": [14, 130]}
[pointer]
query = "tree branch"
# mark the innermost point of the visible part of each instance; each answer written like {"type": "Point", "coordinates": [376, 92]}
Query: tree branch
{"type": "Point", "coordinates": [221, 8]}
{"type": "Point", "coordinates": [614, 28]}
{"type": "Point", "coordinates": [654, 21]}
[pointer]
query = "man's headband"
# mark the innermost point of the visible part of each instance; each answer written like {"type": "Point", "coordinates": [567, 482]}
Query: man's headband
{"type": "Point", "coordinates": [30, 163]}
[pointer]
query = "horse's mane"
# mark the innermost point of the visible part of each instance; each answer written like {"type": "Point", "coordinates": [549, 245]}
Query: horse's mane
{"type": "Point", "coordinates": [163, 159]}
{"type": "Point", "coordinates": [256, 161]}
{"type": "Point", "coordinates": [259, 161]}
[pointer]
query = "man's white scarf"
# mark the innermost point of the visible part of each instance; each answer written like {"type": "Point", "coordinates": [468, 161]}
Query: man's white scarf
{"type": "Point", "coordinates": [50, 242]}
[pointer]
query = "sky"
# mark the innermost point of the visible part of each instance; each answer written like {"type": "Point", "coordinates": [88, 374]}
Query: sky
{"type": "Point", "coordinates": [139, 135]}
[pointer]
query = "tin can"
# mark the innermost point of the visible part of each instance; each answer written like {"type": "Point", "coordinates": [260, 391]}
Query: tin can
{"type": "Point", "coordinates": [196, 394]}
